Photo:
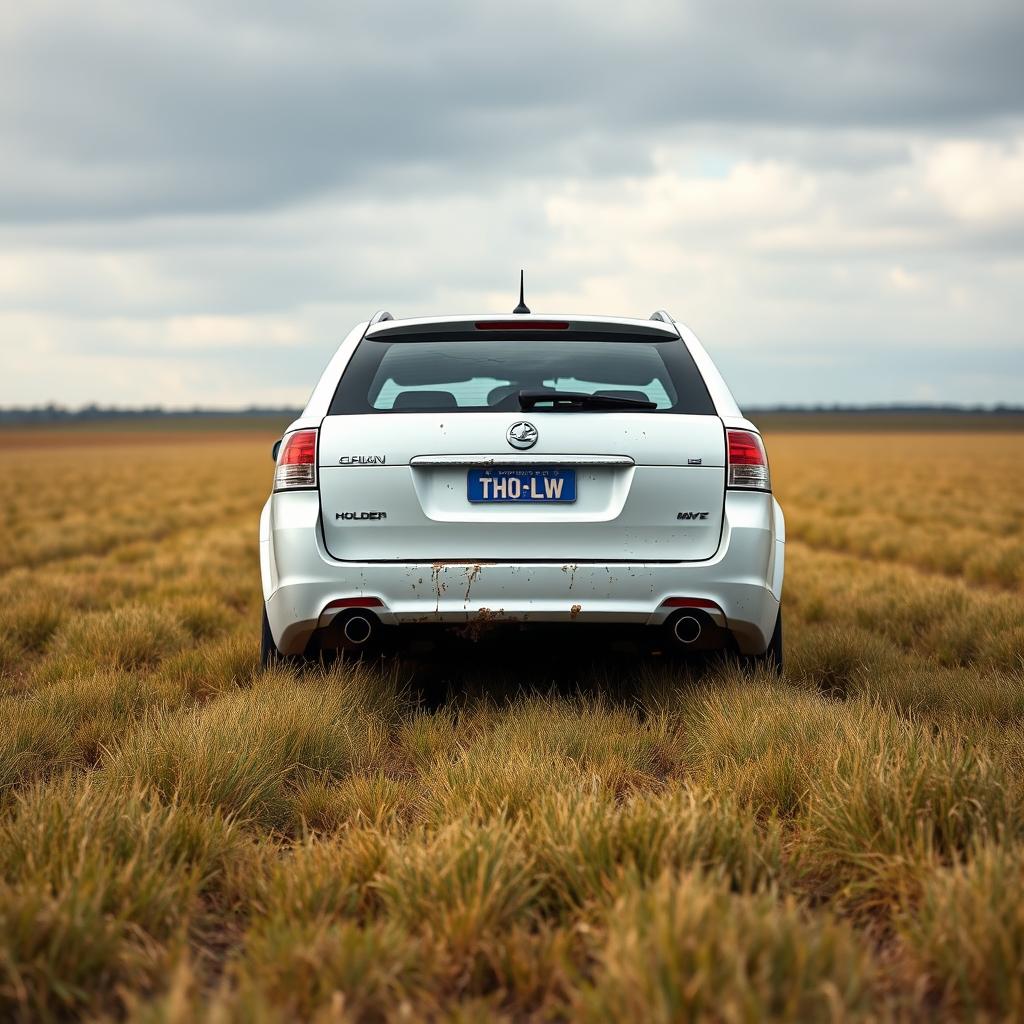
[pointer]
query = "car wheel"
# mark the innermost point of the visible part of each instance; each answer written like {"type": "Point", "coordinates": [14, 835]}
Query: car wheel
{"type": "Point", "coordinates": [771, 659]}
{"type": "Point", "coordinates": [269, 654]}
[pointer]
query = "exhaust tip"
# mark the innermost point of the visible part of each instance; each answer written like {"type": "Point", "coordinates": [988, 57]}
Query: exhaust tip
{"type": "Point", "coordinates": [687, 629]}
{"type": "Point", "coordinates": [357, 630]}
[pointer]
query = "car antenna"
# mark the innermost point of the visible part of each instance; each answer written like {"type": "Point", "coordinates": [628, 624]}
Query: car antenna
{"type": "Point", "coordinates": [522, 307]}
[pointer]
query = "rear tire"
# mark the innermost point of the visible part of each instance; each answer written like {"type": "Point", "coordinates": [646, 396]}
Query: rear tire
{"type": "Point", "coordinates": [269, 654]}
{"type": "Point", "coordinates": [771, 660]}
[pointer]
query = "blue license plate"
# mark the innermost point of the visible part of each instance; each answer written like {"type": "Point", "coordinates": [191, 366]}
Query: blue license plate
{"type": "Point", "coordinates": [521, 484]}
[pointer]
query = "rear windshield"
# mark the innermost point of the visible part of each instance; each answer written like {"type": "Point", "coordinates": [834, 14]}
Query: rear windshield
{"type": "Point", "coordinates": [465, 373]}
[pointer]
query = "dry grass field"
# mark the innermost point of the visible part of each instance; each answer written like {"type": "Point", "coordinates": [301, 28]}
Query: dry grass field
{"type": "Point", "coordinates": [185, 837]}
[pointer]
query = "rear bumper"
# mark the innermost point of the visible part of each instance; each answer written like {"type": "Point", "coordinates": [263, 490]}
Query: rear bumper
{"type": "Point", "coordinates": [300, 579]}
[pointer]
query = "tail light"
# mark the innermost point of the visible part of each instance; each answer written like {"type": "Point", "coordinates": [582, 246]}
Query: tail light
{"type": "Point", "coordinates": [296, 462]}
{"type": "Point", "coordinates": [748, 463]}
{"type": "Point", "coordinates": [689, 602]}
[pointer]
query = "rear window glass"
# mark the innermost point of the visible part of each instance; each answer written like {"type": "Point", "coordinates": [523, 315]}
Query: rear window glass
{"type": "Point", "coordinates": [462, 372]}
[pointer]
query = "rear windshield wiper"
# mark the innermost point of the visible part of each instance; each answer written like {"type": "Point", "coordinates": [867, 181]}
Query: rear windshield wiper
{"type": "Point", "coordinates": [533, 399]}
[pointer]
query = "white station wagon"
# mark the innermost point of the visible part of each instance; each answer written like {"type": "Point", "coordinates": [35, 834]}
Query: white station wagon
{"type": "Point", "coordinates": [508, 471]}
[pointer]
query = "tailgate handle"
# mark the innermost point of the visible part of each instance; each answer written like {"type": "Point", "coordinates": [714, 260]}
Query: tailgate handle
{"type": "Point", "coordinates": [524, 459]}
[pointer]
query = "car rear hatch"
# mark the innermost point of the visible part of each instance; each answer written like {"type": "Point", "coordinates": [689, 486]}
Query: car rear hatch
{"type": "Point", "coordinates": [428, 454]}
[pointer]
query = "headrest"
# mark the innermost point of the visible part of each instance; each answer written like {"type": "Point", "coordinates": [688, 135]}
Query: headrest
{"type": "Point", "coordinates": [425, 400]}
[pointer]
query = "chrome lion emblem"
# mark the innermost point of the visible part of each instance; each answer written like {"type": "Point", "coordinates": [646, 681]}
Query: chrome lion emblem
{"type": "Point", "coordinates": [522, 435]}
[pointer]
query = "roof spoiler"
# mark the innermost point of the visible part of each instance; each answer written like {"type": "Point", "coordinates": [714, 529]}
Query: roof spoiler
{"type": "Point", "coordinates": [659, 314]}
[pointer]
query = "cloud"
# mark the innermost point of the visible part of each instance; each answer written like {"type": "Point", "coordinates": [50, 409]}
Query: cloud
{"type": "Point", "coordinates": [149, 108]}
{"type": "Point", "coordinates": [978, 182]}
{"type": "Point", "coordinates": [199, 200]}
{"type": "Point", "coordinates": [904, 281]}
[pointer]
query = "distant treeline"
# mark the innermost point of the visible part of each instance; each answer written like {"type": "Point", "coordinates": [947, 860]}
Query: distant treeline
{"type": "Point", "coordinates": [882, 418]}
{"type": "Point", "coordinates": [888, 410]}
{"type": "Point", "coordinates": [98, 413]}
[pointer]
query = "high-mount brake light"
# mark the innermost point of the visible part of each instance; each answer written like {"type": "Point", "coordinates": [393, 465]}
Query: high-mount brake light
{"type": "Point", "coordinates": [296, 462]}
{"type": "Point", "coordinates": [748, 462]}
{"type": "Point", "coordinates": [522, 325]}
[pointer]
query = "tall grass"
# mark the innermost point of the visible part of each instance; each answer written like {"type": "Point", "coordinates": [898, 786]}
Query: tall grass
{"type": "Point", "coordinates": [245, 752]}
{"type": "Point", "coordinates": [184, 836]}
{"type": "Point", "coordinates": [97, 893]}
{"type": "Point", "coordinates": [901, 798]}
{"type": "Point", "coordinates": [966, 934]}
{"type": "Point", "coordinates": [685, 948]}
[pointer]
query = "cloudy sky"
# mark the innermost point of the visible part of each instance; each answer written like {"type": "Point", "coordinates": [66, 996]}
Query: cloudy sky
{"type": "Point", "coordinates": [198, 200]}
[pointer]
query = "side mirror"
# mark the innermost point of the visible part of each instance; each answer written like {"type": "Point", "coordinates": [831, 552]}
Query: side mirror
{"type": "Point", "coordinates": [275, 449]}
